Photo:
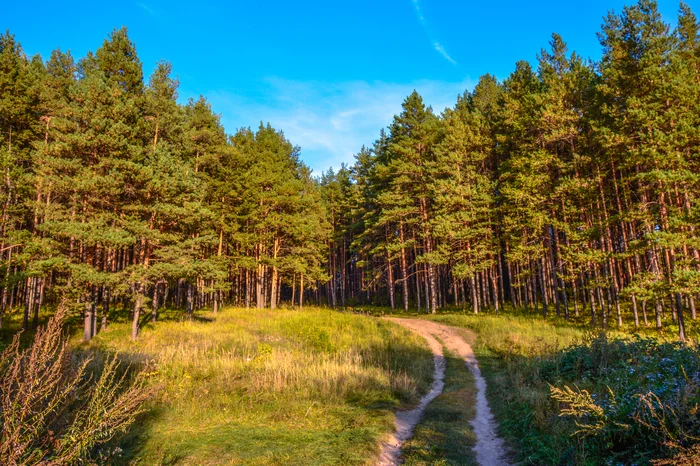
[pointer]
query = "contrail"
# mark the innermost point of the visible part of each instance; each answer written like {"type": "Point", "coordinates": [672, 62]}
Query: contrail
{"type": "Point", "coordinates": [442, 51]}
{"type": "Point", "coordinates": [436, 45]}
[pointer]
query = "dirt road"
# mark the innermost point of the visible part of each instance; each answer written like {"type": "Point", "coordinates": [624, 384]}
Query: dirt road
{"type": "Point", "coordinates": [489, 449]}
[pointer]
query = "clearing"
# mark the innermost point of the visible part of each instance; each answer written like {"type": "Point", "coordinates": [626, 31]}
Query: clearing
{"type": "Point", "coordinates": [306, 387]}
{"type": "Point", "coordinates": [312, 387]}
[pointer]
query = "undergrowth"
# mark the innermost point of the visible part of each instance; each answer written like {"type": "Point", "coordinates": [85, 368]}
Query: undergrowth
{"type": "Point", "coordinates": [59, 406]}
{"type": "Point", "coordinates": [567, 396]}
{"type": "Point", "coordinates": [632, 401]}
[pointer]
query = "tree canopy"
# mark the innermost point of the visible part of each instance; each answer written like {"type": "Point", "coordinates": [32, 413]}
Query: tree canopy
{"type": "Point", "coordinates": [569, 187]}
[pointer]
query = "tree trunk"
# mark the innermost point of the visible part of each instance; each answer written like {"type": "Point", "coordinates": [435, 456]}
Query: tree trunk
{"type": "Point", "coordinates": [105, 308]}
{"type": "Point", "coordinates": [404, 273]}
{"type": "Point", "coordinates": [681, 321]}
{"type": "Point", "coordinates": [154, 303]}
{"type": "Point", "coordinates": [390, 281]}
{"type": "Point", "coordinates": [137, 311]}
{"type": "Point", "coordinates": [554, 267]}
{"type": "Point", "coordinates": [273, 284]}
{"type": "Point", "coordinates": [28, 301]}
{"type": "Point", "coordinates": [38, 298]}
{"type": "Point", "coordinates": [259, 299]}
{"type": "Point", "coordinates": [301, 292]}
{"type": "Point", "coordinates": [88, 321]}
{"type": "Point", "coordinates": [190, 300]}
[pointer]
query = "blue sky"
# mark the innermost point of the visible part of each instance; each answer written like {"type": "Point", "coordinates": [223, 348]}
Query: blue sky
{"type": "Point", "coordinates": [330, 74]}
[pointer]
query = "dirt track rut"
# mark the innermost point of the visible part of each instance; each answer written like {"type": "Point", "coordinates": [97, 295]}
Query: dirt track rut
{"type": "Point", "coordinates": [489, 448]}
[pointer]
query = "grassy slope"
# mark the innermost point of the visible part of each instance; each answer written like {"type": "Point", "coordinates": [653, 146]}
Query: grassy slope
{"type": "Point", "coordinates": [271, 387]}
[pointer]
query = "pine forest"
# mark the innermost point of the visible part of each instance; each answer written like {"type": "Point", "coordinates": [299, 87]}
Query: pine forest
{"type": "Point", "coordinates": [564, 198]}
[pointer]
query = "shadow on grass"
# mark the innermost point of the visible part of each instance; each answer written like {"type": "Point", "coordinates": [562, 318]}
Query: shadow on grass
{"type": "Point", "coordinates": [348, 435]}
{"type": "Point", "coordinates": [127, 448]}
{"type": "Point", "coordinates": [609, 379]}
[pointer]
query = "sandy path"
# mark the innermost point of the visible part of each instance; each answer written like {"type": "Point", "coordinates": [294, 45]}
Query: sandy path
{"type": "Point", "coordinates": [489, 449]}
{"type": "Point", "coordinates": [406, 420]}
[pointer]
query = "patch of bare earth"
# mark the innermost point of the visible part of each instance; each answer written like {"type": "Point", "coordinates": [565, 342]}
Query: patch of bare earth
{"type": "Point", "coordinates": [489, 449]}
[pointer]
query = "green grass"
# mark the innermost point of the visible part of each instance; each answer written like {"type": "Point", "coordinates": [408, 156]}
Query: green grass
{"type": "Point", "coordinates": [516, 335]}
{"type": "Point", "coordinates": [320, 387]}
{"type": "Point", "coordinates": [510, 348]}
{"type": "Point", "coordinates": [524, 356]}
{"type": "Point", "coordinates": [445, 436]}
{"type": "Point", "coordinates": [270, 387]}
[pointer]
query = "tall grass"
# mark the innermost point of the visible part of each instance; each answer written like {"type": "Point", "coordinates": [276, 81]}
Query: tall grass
{"type": "Point", "coordinates": [56, 406]}
{"type": "Point", "coordinates": [564, 394]}
{"type": "Point", "coordinates": [272, 387]}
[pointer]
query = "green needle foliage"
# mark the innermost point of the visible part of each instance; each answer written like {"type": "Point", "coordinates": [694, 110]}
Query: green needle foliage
{"type": "Point", "coordinates": [569, 188]}
{"type": "Point", "coordinates": [127, 201]}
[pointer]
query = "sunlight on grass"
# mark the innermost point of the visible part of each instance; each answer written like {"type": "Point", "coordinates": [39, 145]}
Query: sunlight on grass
{"type": "Point", "coordinates": [271, 387]}
{"type": "Point", "coordinates": [508, 335]}
{"type": "Point", "coordinates": [510, 349]}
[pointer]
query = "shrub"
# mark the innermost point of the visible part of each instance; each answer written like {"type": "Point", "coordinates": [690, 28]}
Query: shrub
{"type": "Point", "coordinates": [641, 399]}
{"type": "Point", "coordinates": [52, 411]}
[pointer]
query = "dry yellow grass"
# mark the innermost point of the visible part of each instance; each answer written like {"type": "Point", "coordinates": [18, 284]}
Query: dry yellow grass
{"type": "Point", "coordinates": [271, 387]}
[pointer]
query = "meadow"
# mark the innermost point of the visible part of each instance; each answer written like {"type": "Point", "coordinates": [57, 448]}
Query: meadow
{"type": "Point", "coordinates": [268, 387]}
{"type": "Point", "coordinates": [318, 386]}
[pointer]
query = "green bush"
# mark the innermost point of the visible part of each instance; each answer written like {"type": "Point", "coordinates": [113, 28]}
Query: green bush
{"type": "Point", "coordinates": [632, 401]}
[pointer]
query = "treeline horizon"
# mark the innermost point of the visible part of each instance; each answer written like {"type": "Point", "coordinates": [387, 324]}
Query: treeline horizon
{"type": "Point", "coordinates": [570, 188]}
{"type": "Point", "coordinates": [118, 199]}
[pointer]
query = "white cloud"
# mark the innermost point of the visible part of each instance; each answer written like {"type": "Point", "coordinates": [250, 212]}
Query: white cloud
{"type": "Point", "coordinates": [329, 121]}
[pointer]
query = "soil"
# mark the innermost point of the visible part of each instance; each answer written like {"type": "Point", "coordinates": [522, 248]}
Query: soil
{"type": "Point", "coordinates": [489, 449]}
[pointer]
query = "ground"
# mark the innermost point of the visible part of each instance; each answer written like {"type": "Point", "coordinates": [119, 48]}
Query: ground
{"type": "Point", "coordinates": [271, 387]}
{"type": "Point", "coordinates": [323, 387]}
{"type": "Point", "coordinates": [488, 447]}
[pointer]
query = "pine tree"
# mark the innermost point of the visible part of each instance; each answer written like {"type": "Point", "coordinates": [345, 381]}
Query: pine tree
{"type": "Point", "coordinates": [464, 192]}
{"type": "Point", "coordinates": [413, 135]}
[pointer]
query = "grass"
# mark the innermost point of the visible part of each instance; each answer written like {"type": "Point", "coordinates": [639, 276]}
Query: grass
{"type": "Point", "coordinates": [509, 348]}
{"type": "Point", "coordinates": [444, 436]}
{"type": "Point", "coordinates": [270, 387]}
{"type": "Point", "coordinates": [320, 387]}
{"type": "Point", "coordinates": [636, 397]}
{"type": "Point", "coordinates": [516, 335]}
